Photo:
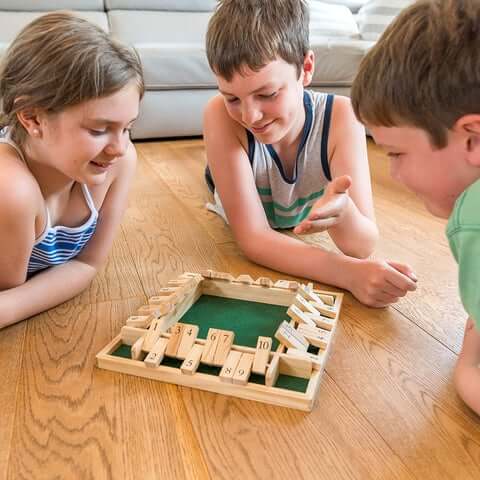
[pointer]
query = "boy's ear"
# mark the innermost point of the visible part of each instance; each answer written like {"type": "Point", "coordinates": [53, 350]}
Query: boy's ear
{"type": "Point", "coordinates": [469, 127]}
{"type": "Point", "coordinates": [308, 67]}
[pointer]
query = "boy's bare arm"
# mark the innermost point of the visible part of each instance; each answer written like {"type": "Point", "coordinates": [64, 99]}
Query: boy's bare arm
{"type": "Point", "coordinates": [346, 208]}
{"type": "Point", "coordinates": [373, 283]}
{"type": "Point", "coordinates": [467, 371]}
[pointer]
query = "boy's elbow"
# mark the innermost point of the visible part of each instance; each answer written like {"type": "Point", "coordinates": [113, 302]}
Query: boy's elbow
{"type": "Point", "coordinates": [361, 250]}
{"type": "Point", "coordinates": [362, 247]}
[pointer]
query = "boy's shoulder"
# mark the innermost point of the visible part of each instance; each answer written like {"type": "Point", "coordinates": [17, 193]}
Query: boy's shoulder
{"type": "Point", "coordinates": [218, 124]}
{"type": "Point", "coordinates": [466, 213]}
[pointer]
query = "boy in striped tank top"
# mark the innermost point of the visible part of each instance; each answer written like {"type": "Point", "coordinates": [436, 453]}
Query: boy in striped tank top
{"type": "Point", "coordinates": [280, 156]}
{"type": "Point", "coordinates": [69, 97]}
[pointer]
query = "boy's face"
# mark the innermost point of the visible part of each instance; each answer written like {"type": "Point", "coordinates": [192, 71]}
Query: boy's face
{"type": "Point", "coordinates": [269, 102]}
{"type": "Point", "coordinates": [438, 177]}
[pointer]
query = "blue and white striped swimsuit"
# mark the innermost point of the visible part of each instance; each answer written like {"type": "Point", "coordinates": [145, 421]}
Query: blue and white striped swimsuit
{"type": "Point", "coordinates": [58, 244]}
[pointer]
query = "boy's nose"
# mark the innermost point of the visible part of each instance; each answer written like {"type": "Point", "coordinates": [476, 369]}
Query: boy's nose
{"type": "Point", "coordinates": [251, 115]}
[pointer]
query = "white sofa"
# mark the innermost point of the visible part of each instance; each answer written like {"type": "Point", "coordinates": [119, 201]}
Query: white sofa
{"type": "Point", "coordinates": [169, 36]}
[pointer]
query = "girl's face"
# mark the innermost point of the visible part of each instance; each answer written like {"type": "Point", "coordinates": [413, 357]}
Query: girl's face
{"type": "Point", "coordinates": [84, 141]}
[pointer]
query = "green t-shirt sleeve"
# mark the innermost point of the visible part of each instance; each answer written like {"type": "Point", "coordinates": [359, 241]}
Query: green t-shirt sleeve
{"type": "Point", "coordinates": [465, 245]}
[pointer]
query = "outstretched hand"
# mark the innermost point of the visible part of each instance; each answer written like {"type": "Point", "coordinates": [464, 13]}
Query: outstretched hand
{"type": "Point", "coordinates": [330, 209]}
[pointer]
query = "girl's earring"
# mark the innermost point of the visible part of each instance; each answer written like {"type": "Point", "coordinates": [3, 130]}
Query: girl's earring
{"type": "Point", "coordinates": [36, 132]}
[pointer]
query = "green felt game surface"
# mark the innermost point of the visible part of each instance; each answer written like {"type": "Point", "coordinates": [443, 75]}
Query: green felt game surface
{"type": "Point", "coordinates": [248, 320]}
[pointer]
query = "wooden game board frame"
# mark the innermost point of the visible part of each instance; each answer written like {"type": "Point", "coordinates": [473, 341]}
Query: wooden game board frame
{"type": "Point", "coordinates": [262, 290]}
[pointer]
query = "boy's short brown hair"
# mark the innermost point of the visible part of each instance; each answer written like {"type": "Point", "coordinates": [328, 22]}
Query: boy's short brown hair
{"type": "Point", "coordinates": [425, 69]}
{"type": "Point", "coordinates": [251, 33]}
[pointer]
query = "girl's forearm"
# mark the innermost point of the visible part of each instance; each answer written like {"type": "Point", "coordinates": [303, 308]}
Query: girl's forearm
{"type": "Point", "coordinates": [45, 290]}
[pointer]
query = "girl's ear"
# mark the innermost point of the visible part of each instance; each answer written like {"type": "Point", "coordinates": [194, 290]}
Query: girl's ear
{"type": "Point", "coordinates": [308, 68]}
{"type": "Point", "coordinates": [29, 118]}
{"type": "Point", "coordinates": [469, 127]}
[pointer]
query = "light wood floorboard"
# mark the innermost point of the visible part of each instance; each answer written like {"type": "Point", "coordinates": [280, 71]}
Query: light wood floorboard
{"type": "Point", "coordinates": [386, 407]}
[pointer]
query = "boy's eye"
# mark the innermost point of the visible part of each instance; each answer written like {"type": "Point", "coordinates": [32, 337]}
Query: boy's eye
{"type": "Point", "coordinates": [268, 95]}
{"type": "Point", "coordinates": [231, 100]}
{"type": "Point", "coordinates": [393, 155]}
{"type": "Point", "coordinates": [96, 133]}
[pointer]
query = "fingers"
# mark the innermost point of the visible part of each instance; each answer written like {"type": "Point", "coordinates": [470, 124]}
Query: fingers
{"type": "Point", "coordinates": [332, 208]}
{"type": "Point", "coordinates": [401, 280]}
{"type": "Point", "coordinates": [405, 269]}
{"type": "Point", "coordinates": [315, 226]}
{"type": "Point", "coordinates": [341, 184]}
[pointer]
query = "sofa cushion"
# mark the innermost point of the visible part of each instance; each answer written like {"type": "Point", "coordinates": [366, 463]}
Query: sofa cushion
{"type": "Point", "coordinates": [353, 5]}
{"type": "Point", "coordinates": [43, 5]}
{"type": "Point", "coordinates": [172, 47]}
{"type": "Point", "coordinates": [175, 5]}
{"type": "Point", "coordinates": [376, 15]}
{"type": "Point", "coordinates": [13, 22]}
{"type": "Point", "coordinates": [329, 20]}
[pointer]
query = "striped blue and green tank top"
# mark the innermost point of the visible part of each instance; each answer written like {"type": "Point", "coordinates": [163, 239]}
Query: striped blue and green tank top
{"type": "Point", "coordinates": [288, 201]}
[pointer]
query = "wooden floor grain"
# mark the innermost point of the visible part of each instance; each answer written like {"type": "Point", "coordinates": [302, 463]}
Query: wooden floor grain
{"type": "Point", "coordinates": [386, 407]}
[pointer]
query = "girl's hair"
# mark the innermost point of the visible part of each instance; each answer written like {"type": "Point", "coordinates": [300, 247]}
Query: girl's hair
{"type": "Point", "coordinates": [60, 60]}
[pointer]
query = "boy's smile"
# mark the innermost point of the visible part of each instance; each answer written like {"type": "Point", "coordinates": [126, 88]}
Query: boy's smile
{"type": "Point", "coordinates": [268, 102]}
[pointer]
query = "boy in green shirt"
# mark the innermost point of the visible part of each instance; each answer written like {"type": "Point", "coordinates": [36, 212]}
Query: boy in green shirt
{"type": "Point", "coordinates": [418, 91]}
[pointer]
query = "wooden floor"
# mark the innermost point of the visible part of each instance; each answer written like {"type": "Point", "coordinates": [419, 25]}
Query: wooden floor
{"type": "Point", "coordinates": [386, 408]}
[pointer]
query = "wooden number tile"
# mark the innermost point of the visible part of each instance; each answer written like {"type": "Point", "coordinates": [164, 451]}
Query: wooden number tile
{"type": "Point", "coordinates": [273, 371]}
{"type": "Point", "coordinates": [262, 354]}
{"type": "Point", "coordinates": [308, 294]}
{"type": "Point", "coordinates": [321, 321]}
{"type": "Point", "coordinates": [290, 337]}
{"type": "Point", "coordinates": [264, 282]}
{"type": "Point", "coordinates": [225, 342]}
{"type": "Point", "coordinates": [230, 365]}
{"type": "Point", "coordinates": [157, 327]}
{"type": "Point", "coordinates": [315, 336]}
{"type": "Point", "coordinates": [299, 316]}
{"type": "Point", "coordinates": [189, 335]}
{"type": "Point", "coordinates": [304, 305]}
{"type": "Point", "coordinates": [224, 276]}
{"type": "Point", "coordinates": [153, 309]}
{"type": "Point", "coordinates": [197, 276]}
{"type": "Point", "coordinates": [174, 341]}
{"type": "Point", "coordinates": [244, 368]}
{"type": "Point", "coordinates": [282, 284]}
{"type": "Point", "coordinates": [325, 310]}
{"type": "Point", "coordinates": [192, 360]}
{"type": "Point", "coordinates": [136, 349]}
{"type": "Point", "coordinates": [155, 356]}
{"type": "Point", "coordinates": [318, 360]}
{"type": "Point", "coordinates": [211, 343]}
{"type": "Point", "coordinates": [327, 299]}
{"type": "Point", "coordinates": [208, 273]}
{"type": "Point", "coordinates": [179, 282]}
{"type": "Point", "coordinates": [244, 279]}
{"type": "Point", "coordinates": [139, 321]}
{"type": "Point", "coordinates": [296, 366]}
